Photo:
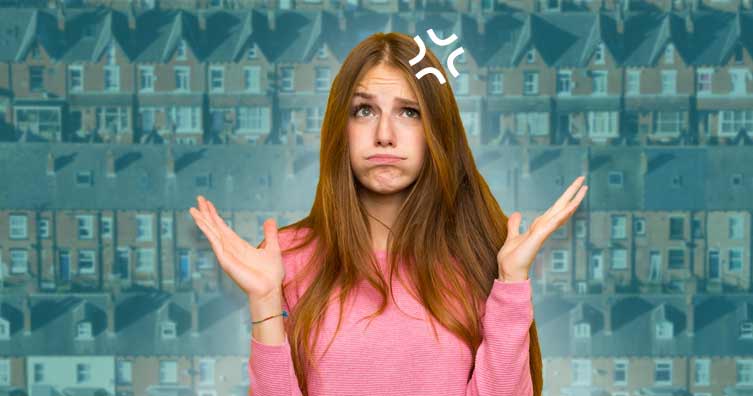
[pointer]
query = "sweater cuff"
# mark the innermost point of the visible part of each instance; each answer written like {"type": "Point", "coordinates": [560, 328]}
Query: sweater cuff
{"type": "Point", "coordinates": [512, 292]}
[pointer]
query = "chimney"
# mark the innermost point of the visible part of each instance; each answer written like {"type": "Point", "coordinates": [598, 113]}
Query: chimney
{"type": "Point", "coordinates": [342, 20]}
{"type": "Point", "coordinates": [289, 162]}
{"type": "Point", "coordinates": [194, 314]}
{"type": "Point", "coordinates": [110, 308]}
{"type": "Point", "coordinates": [481, 23]}
{"type": "Point", "coordinates": [689, 23]}
{"type": "Point", "coordinates": [608, 302]}
{"type": "Point", "coordinates": [526, 163]}
{"type": "Point", "coordinates": [61, 16]}
{"type": "Point", "coordinates": [110, 163]}
{"type": "Point", "coordinates": [202, 21]}
{"type": "Point", "coordinates": [620, 20]}
{"type": "Point", "coordinates": [643, 164]}
{"type": "Point", "coordinates": [27, 314]}
{"type": "Point", "coordinates": [132, 17]}
{"type": "Point", "coordinates": [690, 315]}
{"type": "Point", "coordinates": [271, 19]}
{"type": "Point", "coordinates": [50, 164]}
{"type": "Point", "coordinates": [170, 161]}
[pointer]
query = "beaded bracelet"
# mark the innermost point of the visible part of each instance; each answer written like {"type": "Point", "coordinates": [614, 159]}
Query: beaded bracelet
{"type": "Point", "coordinates": [284, 315]}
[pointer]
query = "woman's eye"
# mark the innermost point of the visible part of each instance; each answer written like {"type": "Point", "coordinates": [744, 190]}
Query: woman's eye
{"type": "Point", "coordinates": [414, 111]}
{"type": "Point", "coordinates": [359, 108]}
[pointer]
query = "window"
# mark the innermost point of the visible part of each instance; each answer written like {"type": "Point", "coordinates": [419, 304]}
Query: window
{"type": "Point", "coordinates": [696, 229]}
{"type": "Point", "coordinates": [145, 260]}
{"type": "Point", "coordinates": [735, 226]}
{"type": "Point", "coordinates": [18, 226]}
{"type": "Point", "coordinates": [124, 374]}
{"type": "Point", "coordinates": [85, 226]}
{"type": "Point", "coordinates": [614, 178]}
{"type": "Point", "coordinates": [166, 228]}
{"type": "Point", "coordinates": [599, 54]}
{"type": "Point", "coordinates": [470, 122]}
{"type": "Point", "coordinates": [664, 330]}
{"type": "Point", "coordinates": [84, 178]}
{"type": "Point", "coordinates": [19, 261]}
{"type": "Point", "coordinates": [182, 78]}
{"type": "Point", "coordinates": [705, 77]}
{"type": "Point", "coordinates": [668, 82]}
{"type": "Point", "coordinates": [735, 259]}
{"type": "Point", "coordinates": [639, 226]}
{"type": "Point", "coordinates": [168, 372]}
{"type": "Point", "coordinates": [252, 79]}
{"type": "Point", "coordinates": [180, 51]}
{"type": "Point", "coordinates": [106, 224]}
{"type": "Point", "coordinates": [321, 53]}
{"type": "Point", "coordinates": [744, 371]}
{"type": "Point", "coordinates": [114, 119]}
{"type": "Point", "coordinates": [314, 116]}
{"type": "Point", "coordinates": [146, 78]}
{"type": "Point", "coordinates": [36, 78]}
{"type": "Point", "coordinates": [619, 225]}
{"type": "Point", "coordinates": [536, 124]}
{"type": "Point", "coordinates": [530, 83]}
{"type": "Point", "coordinates": [736, 180]}
{"type": "Point", "coordinates": [84, 330]}
{"type": "Point", "coordinates": [322, 79]}
{"type": "Point", "coordinates": [185, 119]}
{"type": "Point", "coordinates": [581, 372]}
{"type": "Point", "coordinates": [76, 78]}
{"type": "Point", "coordinates": [738, 80]}
{"type": "Point", "coordinates": [599, 82]}
{"type": "Point", "coordinates": [701, 371]}
{"type": "Point", "coordinates": [732, 121]}
{"type": "Point", "coordinates": [206, 372]}
{"type": "Point", "coordinates": [110, 54]}
{"type": "Point", "coordinates": [676, 258]}
{"type": "Point", "coordinates": [746, 330]}
{"type": "Point", "coordinates": [253, 119]}
{"type": "Point", "coordinates": [83, 373]}
{"type": "Point", "coordinates": [663, 372]}
{"type": "Point", "coordinates": [496, 83]}
{"type": "Point", "coordinates": [86, 263]}
{"type": "Point", "coordinates": [669, 54]}
{"type": "Point", "coordinates": [42, 120]}
{"type": "Point", "coordinates": [287, 78]}
{"type": "Point", "coordinates": [668, 122]}
{"type": "Point", "coordinates": [620, 372]}
{"type": "Point", "coordinates": [530, 56]}
{"type": "Point", "coordinates": [44, 228]}
{"type": "Point", "coordinates": [168, 329]}
{"type": "Point", "coordinates": [602, 124]}
{"type": "Point", "coordinates": [144, 227]}
{"type": "Point", "coordinates": [564, 82]}
{"type": "Point", "coordinates": [676, 228]}
{"type": "Point", "coordinates": [580, 228]}
{"type": "Point", "coordinates": [217, 79]}
{"type": "Point", "coordinates": [633, 82]}
{"type": "Point", "coordinates": [251, 53]}
{"type": "Point", "coordinates": [112, 78]}
{"type": "Point", "coordinates": [204, 259]}
{"type": "Point", "coordinates": [619, 258]}
{"type": "Point", "coordinates": [559, 260]}
{"type": "Point", "coordinates": [582, 330]}
{"type": "Point", "coordinates": [4, 370]}
{"type": "Point", "coordinates": [461, 84]}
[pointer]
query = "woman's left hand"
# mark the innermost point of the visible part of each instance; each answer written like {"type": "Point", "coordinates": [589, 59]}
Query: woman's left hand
{"type": "Point", "coordinates": [519, 250]}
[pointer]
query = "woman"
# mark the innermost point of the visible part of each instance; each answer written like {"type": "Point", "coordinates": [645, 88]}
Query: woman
{"type": "Point", "coordinates": [427, 216]}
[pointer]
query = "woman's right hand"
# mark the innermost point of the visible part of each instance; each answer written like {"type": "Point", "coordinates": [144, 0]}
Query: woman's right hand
{"type": "Point", "coordinates": [259, 272]}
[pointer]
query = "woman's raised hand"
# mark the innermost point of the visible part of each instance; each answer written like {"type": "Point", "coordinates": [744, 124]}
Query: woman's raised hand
{"type": "Point", "coordinates": [519, 250]}
{"type": "Point", "coordinates": [259, 272]}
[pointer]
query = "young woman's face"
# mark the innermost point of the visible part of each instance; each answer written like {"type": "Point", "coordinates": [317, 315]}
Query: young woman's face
{"type": "Point", "coordinates": [385, 119]}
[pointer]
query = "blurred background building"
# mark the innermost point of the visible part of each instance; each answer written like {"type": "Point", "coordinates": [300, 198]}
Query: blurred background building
{"type": "Point", "coordinates": [116, 114]}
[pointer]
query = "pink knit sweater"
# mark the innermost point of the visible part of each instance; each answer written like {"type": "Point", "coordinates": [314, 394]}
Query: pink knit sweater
{"type": "Point", "coordinates": [397, 354]}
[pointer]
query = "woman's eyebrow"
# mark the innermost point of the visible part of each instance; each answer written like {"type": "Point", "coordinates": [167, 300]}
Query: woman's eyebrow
{"type": "Point", "coordinates": [403, 101]}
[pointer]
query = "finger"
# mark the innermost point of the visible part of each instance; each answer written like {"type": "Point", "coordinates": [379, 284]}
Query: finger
{"type": "Point", "coordinates": [563, 215]}
{"type": "Point", "coordinates": [513, 225]}
{"type": "Point", "coordinates": [201, 222]}
{"type": "Point", "coordinates": [270, 234]}
{"type": "Point", "coordinates": [223, 227]}
{"type": "Point", "coordinates": [566, 196]}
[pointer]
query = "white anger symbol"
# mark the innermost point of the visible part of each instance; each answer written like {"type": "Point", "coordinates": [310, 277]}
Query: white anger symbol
{"type": "Point", "coordinates": [441, 42]}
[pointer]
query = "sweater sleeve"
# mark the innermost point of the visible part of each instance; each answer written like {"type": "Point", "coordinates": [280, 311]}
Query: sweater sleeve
{"type": "Point", "coordinates": [270, 369]}
{"type": "Point", "coordinates": [502, 360]}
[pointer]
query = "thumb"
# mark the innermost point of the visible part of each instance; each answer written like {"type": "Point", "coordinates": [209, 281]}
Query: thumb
{"type": "Point", "coordinates": [513, 225]}
{"type": "Point", "coordinates": [270, 233]}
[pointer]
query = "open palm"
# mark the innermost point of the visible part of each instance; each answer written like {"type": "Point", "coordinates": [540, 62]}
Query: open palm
{"type": "Point", "coordinates": [519, 250]}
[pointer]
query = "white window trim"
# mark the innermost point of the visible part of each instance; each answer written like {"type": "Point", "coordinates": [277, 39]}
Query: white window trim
{"type": "Point", "coordinates": [569, 74]}
{"type": "Point", "coordinates": [80, 69]}
{"type": "Point", "coordinates": [250, 88]}
{"type": "Point", "coordinates": [671, 374]}
{"type": "Point", "coordinates": [637, 74]}
{"type": "Point", "coordinates": [150, 70]}
{"type": "Point", "coordinates": [705, 71]}
{"type": "Point", "coordinates": [673, 89]}
{"type": "Point", "coordinates": [187, 70]}
{"type": "Point", "coordinates": [221, 88]}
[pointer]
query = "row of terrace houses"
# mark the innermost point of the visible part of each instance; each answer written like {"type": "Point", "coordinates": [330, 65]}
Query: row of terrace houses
{"type": "Point", "coordinates": [81, 217]}
{"type": "Point", "coordinates": [263, 75]}
{"type": "Point", "coordinates": [157, 343]}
